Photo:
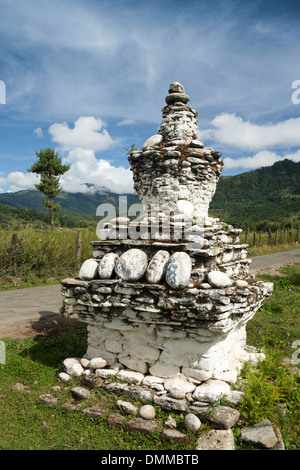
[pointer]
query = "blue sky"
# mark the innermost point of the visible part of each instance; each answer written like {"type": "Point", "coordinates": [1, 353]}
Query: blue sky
{"type": "Point", "coordinates": [89, 78]}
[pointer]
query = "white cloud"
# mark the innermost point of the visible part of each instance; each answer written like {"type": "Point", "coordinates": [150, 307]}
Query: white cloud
{"type": "Point", "coordinates": [260, 159]}
{"type": "Point", "coordinates": [126, 122]}
{"type": "Point", "coordinates": [86, 168]}
{"type": "Point", "coordinates": [87, 137]}
{"type": "Point", "coordinates": [232, 130]}
{"type": "Point", "coordinates": [88, 133]}
{"type": "Point", "coordinates": [39, 132]}
{"type": "Point", "coordinates": [16, 181]}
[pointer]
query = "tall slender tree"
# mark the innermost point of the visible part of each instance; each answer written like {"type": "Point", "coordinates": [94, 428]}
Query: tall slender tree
{"type": "Point", "coordinates": [50, 168]}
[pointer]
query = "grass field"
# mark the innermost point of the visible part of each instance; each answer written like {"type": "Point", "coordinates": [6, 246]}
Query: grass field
{"type": "Point", "coordinates": [271, 389]}
{"type": "Point", "coordinates": [42, 256]}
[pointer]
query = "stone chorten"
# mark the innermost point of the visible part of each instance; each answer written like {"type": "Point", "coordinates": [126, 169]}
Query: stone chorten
{"type": "Point", "coordinates": [174, 300]}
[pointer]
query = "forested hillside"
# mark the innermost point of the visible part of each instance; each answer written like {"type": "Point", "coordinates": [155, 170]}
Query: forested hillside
{"type": "Point", "coordinates": [75, 203]}
{"type": "Point", "coordinates": [256, 199]}
{"type": "Point", "coordinates": [16, 217]}
{"type": "Point", "coordinates": [268, 194]}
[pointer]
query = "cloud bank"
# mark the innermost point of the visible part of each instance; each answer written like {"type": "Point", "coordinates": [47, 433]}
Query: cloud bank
{"type": "Point", "coordinates": [232, 130]}
{"type": "Point", "coordinates": [234, 133]}
{"type": "Point", "coordinates": [87, 137]}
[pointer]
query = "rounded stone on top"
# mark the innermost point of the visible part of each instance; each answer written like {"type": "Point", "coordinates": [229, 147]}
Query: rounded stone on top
{"type": "Point", "coordinates": [177, 98]}
{"type": "Point", "coordinates": [177, 94]}
{"type": "Point", "coordinates": [176, 87]}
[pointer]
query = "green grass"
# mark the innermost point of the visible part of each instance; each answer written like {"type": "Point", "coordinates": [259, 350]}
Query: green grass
{"type": "Point", "coordinates": [277, 324]}
{"type": "Point", "coordinates": [27, 424]}
{"type": "Point", "coordinates": [271, 390]}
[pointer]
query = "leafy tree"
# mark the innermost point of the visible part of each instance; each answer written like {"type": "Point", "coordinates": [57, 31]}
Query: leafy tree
{"type": "Point", "coordinates": [50, 168]}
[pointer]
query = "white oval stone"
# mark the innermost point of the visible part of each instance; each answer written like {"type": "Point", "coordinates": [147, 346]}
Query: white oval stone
{"type": "Point", "coordinates": [72, 367]}
{"type": "Point", "coordinates": [88, 270]}
{"type": "Point", "coordinates": [186, 208]}
{"type": "Point", "coordinates": [147, 411]}
{"type": "Point", "coordinates": [130, 376]}
{"type": "Point", "coordinates": [178, 270]}
{"type": "Point", "coordinates": [84, 362]}
{"type": "Point", "coordinates": [97, 363]}
{"type": "Point", "coordinates": [64, 377]}
{"type": "Point", "coordinates": [192, 422]}
{"type": "Point", "coordinates": [153, 140]}
{"type": "Point", "coordinates": [131, 265]}
{"type": "Point", "coordinates": [179, 383]}
{"type": "Point", "coordinates": [219, 279]}
{"type": "Point", "coordinates": [157, 266]}
{"type": "Point", "coordinates": [106, 265]}
{"type": "Point", "coordinates": [241, 283]}
{"type": "Point", "coordinates": [211, 391]}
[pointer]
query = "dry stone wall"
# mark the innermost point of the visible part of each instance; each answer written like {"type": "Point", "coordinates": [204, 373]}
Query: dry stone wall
{"type": "Point", "coordinates": [173, 300]}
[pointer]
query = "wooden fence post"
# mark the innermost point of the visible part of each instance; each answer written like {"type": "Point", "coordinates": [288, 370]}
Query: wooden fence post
{"type": "Point", "coordinates": [270, 237]}
{"type": "Point", "coordinates": [246, 236]}
{"type": "Point", "coordinates": [78, 248]}
{"type": "Point", "coordinates": [13, 249]}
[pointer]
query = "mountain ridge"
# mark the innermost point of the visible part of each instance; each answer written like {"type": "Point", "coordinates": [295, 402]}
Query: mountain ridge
{"type": "Point", "coordinates": [245, 200]}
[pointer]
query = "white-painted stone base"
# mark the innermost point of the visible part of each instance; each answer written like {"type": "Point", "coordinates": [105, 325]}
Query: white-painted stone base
{"type": "Point", "coordinates": [152, 350]}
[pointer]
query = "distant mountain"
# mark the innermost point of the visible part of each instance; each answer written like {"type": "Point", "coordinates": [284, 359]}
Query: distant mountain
{"type": "Point", "coordinates": [83, 203]}
{"type": "Point", "coordinates": [245, 200]}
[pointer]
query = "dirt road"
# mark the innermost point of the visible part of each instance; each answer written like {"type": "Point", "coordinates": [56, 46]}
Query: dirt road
{"type": "Point", "coordinates": [30, 312]}
{"type": "Point", "coordinates": [274, 260]}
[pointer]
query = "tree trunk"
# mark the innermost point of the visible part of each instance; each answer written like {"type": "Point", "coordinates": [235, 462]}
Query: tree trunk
{"type": "Point", "coordinates": [51, 211]}
{"type": "Point", "coordinates": [13, 249]}
{"type": "Point", "coordinates": [78, 250]}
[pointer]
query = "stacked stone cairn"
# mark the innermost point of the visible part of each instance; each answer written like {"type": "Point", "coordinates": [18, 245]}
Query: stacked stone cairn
{"type": "Point", "coordinates": [167, 296]}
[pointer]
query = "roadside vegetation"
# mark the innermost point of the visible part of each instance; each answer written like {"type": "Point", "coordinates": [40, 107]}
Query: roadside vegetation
{"type": "Point", "coordinates": [41, 257]}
